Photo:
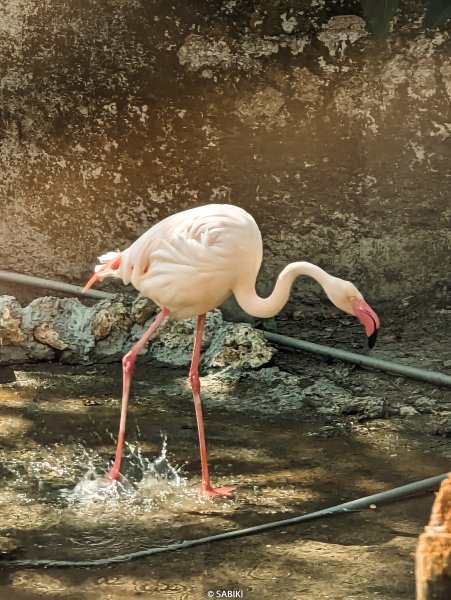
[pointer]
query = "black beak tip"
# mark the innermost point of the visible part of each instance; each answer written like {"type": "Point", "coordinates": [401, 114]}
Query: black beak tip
{"type": "Point", "coordinates": [372, 339]}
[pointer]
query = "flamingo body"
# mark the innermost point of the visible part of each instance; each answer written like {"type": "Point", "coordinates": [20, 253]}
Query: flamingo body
{"type": "Point", "coordinates": [191, 261]}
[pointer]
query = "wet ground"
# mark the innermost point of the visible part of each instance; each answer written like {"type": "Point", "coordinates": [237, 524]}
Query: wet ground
{"type": "Point", "coordinates": [414, 332]}
{"type": "Point", "coordinates": [58, 425]}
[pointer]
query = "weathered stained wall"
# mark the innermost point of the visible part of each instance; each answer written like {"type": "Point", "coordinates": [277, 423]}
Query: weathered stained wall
{"type": "Point", "coordinates": [116, 114]}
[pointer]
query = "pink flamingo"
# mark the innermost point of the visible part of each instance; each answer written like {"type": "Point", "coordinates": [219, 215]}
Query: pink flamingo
{"type": "Point", "coordinates": [188, 264]}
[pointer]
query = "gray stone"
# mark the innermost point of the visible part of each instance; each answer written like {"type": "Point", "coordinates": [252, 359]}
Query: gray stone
{"type": "Point", "coordinates": [267, 391]}
{"type": "Point", "coordinates": [367, 407]}
{"type": "Point", "coordinates": [37, 352]}
{"type": "Point", "coordinates": [238, 346]}
{"type": "Point", "coordinates": [425, 406]}
{"type": "Point", "coordinates": [440, 425]}
{"type": "Point", "coordinates": [65, 329]}
{"type": "Point", "coordinates": [109, 317]}
{"type": "Point", "coordinates": [408, 411]}
{"type": "Point", "coordinates": [142, 309]}
{"type": "Point", "coordinates": [46, 334]}
{"type": "Point", "coordinates": [10, 355]}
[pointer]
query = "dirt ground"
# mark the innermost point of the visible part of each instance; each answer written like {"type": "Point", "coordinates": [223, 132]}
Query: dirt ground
{"type": "Point", "coordinates": [414, 333]}
{"type": "Point", "coordinates": [57, 419]}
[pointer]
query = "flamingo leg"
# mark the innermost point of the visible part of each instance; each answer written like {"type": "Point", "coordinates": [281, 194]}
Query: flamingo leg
{"type": "Point", "coordinates": [206, 489]}
{"type": "Point", "coordinates": [128, 364]}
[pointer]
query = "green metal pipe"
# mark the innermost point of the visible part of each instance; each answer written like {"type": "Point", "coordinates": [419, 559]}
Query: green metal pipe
{"type": "Point", "coordinates": [361, 360]}
{"type": "Point", "coordinates": [57, 286]}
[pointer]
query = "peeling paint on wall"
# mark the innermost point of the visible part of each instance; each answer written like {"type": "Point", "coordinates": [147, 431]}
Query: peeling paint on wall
{"type": "Point", "coordinates": [341, 32]}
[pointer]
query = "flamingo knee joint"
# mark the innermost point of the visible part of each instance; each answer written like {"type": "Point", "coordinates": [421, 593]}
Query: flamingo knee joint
{"type": "Point", "coordinates": [195, 382]}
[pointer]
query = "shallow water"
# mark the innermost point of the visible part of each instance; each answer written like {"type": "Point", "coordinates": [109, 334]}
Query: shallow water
{"type": "Point", "coordinates": [57, 444]}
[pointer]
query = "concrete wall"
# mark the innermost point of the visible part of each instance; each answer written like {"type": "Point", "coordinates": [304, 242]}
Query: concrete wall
{"type": "Point", "coordinates": [116, 114]}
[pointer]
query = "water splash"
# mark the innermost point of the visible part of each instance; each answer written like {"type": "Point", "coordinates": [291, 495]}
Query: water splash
{"type": "Point", "coordinates": [144, 482]}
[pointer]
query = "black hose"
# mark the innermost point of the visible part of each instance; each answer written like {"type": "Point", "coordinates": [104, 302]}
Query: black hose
{"type": "Point", "coordinates": [352, 506]}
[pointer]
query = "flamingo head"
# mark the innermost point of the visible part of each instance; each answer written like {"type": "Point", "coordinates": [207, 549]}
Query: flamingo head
{"type": "Point", "coordinates": [347, 298]}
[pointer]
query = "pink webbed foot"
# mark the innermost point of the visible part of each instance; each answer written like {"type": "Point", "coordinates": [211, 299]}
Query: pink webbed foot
{"type": "Point", "coordinates": [210, 492]}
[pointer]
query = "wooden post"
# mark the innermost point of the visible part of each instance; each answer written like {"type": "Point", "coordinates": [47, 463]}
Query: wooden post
{"type": "Point", "coordinates": [433, 555]}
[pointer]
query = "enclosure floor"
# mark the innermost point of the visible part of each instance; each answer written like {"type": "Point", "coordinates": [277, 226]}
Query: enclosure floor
{"type": "Point", "coordinates": [281, 468]}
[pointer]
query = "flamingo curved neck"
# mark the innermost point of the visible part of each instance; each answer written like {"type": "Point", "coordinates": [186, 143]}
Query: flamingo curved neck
{"type": "Point", "coordinates": [265, 308]}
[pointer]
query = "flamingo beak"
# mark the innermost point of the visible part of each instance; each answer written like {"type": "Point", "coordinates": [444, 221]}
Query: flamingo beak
{"type": "Point", "coordinates": [91, 282]}
{"type": "Point", "coordinates": [104, 270]}
{"type": "Point", "coordinates": [368, 318]}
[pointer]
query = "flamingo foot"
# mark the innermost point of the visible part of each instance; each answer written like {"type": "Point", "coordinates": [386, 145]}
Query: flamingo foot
{"type": "Point", "coordinates": [113, 475]}
{"type": "Point", "coordinates": [210, 492]}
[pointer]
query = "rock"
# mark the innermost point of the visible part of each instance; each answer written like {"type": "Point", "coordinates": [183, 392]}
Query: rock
{"type": "Point", "coordinates": [267, 391]}
{"type": "Point", "coordinates": [367, 407]}
{"type": "Point", "coordinates": [238, 346]}
{"type": "Point", "coordinates": [274, 376]}
{"type": "Point", "coordinates": [10, 355]}
{"type": "Point", "coordinates": [58, 324]}
{"type": "Point", "coordinates": [407, 411]}
{"type": "Point", "coordinates": [38, 352]}
{"type": "Point", "coordinates": [46, 334]}
{"type": "Point", "coordinates": [52, 328]}
{"type": "Point", "coordinates": [142, 309]}
{"type": "Point", "coordinates": [109, 316]}
{"type": "Point", "coordinates": [424, 406]}
{"type": "Point", "coordinates": [326, 397]}
{"type": "Point", "coordinates": [223, 345]}
{"type": "Point", "coordinates": [11, 332]}
{"type": "Point", "coordinates": [173, 343]}
{"type": "Point", "coordinates": [323, 388]}
{"type": "Point", "coordinates": [440, 425]}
